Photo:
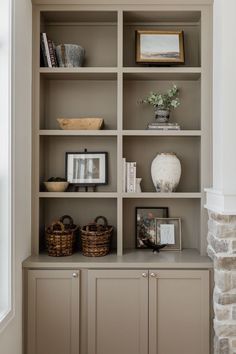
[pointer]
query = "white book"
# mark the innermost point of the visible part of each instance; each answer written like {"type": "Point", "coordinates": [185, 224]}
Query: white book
{"type": "Point", "coordinates": [131, 177]}
{"type": "Point", "coordinates": [47, 50]}
{"type": "Point", "coordinates": [124, 189]}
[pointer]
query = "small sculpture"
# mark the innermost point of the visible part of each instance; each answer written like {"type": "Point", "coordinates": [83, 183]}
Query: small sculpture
{"type": "Point", "coordinates": [155, 248]}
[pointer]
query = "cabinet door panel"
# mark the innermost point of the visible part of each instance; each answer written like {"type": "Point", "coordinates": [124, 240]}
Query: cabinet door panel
{"type": "Point", "coordinates": [117, 312]}
{"type": "Point", "coordinates": [53, 312]}
{"type": "Point", "coordinates": [179, 312]}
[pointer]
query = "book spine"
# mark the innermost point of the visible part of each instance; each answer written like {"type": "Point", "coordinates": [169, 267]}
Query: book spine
{"type": "Point", "coordinates": [131, 177]}
{"type": "Point", "coordinates": [43, 51]}
{"type": "Point", "coordinates": [52, 53]}
{"type": "Point", "coordinates": [124, 176]}
{"type": "Point", "coordinates": [47, 50]}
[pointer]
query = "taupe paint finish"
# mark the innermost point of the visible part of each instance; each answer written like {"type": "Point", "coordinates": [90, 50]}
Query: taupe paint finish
{"type": "Point", "coordinates": [115, 89]}
{"type": "Point", "coordinates": [53, 312]}
{"type": "Point", "coordinates": [179, 312]}
{"type": "Point", "coordinates": [117, 312]}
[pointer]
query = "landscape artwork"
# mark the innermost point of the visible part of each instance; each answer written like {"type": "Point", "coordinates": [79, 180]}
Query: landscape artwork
{"type": "Point", "coordinates": [159, 47]}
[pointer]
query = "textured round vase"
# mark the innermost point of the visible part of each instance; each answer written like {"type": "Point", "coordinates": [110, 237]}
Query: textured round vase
{"type": "Point", "coordinates": [166, 172]}
{"type": "Point", "coordinates": [162, 115]}
{"type": "Point", "coordinates": [70, 55]}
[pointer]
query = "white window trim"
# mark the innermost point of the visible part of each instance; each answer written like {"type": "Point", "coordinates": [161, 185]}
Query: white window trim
{"type": "Point", "coordinates": [8, 312]}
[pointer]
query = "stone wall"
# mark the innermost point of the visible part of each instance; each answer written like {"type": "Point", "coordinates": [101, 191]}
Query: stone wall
{"type": "Point", "coordinates": [222, 250]}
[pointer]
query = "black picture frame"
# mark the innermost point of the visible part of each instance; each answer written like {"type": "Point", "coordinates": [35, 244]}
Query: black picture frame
{"type": "Point", "coordinates": [89, 181]}
{"type": "Point", "coordinates": [163, 213]}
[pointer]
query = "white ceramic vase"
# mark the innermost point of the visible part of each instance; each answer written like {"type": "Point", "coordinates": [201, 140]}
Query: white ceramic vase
{"type": "Point", "coordinates": [166, 172]}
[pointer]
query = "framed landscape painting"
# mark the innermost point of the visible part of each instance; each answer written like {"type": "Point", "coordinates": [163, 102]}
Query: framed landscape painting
{"type": "Point", "coordinates": [163, 47]}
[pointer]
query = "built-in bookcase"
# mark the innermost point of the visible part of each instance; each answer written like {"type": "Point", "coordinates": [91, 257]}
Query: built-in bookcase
{"type": "Point", "coordinates": [109, 85]}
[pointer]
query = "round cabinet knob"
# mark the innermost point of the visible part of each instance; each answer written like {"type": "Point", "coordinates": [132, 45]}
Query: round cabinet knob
{"type": "Point", "coordinates": [153, 275]}
{"type": "Point", "coordinates": [75, 275]}
{"type": "Point", "coordinates": [144, 275]}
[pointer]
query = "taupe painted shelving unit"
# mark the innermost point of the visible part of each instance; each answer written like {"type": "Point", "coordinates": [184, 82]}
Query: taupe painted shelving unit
{"type": "Point", "coordinates": [109, 86]}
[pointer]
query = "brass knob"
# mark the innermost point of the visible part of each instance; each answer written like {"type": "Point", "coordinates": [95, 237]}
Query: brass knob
{"type": "Point", "coordinates": [75, 275]}
{"type": "Point", "coordinates": [144, 275]}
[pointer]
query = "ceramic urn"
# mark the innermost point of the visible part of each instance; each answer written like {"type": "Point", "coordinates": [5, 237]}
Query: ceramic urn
{"type": "Point", "coordinates": [166, 172]}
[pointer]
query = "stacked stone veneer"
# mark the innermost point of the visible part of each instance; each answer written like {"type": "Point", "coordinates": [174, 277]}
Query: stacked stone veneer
{"type": "Point", "coordinates": [222, 250]}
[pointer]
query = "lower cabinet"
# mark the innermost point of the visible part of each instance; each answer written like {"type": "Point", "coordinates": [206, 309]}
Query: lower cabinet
{"type": "Point", "coordinates": [148, 312]}
{"type": "Point", "coordinates": [123, 312]}
{"type": "Point", "coordinates": [53, 312]}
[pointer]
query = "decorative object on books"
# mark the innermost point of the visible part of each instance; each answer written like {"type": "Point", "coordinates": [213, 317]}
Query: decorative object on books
{"type": "Point", "coordinates": [138, 185]}
{"type": "Point", "coordinates": [168, 232]}
{"type": "Point", "coordinates": [56, 184]}
{"type": "Point", "coordinates": [81, 123]}
{"type": "Point", "coordinates": [159, 47]}
{"type": "Point", "coordinates": [145, 226]}
{"type": "Point", "coordinates": [163, 103]}
{"type": "Point", "coordinates": [166, 172]}
{"type": "Point", "coordinates": [87, 168]}
{"type": "Point", "coordinates": [96, 238]}
{"type": "Point", "coordinates": [70, 55]}
{"type": "Point", "coordinates": [60, 240]}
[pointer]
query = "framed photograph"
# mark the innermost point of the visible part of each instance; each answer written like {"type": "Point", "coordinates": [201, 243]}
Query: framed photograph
{"type": "Point", "coordinates": [86, 168]}
{"type": "Point", "coordinates": [164, 47]}
{"type": "Point", "coordinates": [145, 224]}
{"type": "Point", "coordinates": [168, 231]}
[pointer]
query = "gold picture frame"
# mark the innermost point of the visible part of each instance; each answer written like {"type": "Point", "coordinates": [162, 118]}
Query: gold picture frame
{"type": "Point", "coordinates": [174, 233]}
{"type": "Point", "coordinates": [160, 47]}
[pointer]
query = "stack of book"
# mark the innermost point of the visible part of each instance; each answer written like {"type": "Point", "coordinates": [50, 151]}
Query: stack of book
{"type": "Point", "coordinates": [129, 176]}
{"type": "Point", "coordinates": [48, 56]}
{"type": "Point", "coordinates": [163, 126]}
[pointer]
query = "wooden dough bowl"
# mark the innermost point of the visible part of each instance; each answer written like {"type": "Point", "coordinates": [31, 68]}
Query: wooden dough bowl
{"type": "Point", "coordinates": [80, 123]}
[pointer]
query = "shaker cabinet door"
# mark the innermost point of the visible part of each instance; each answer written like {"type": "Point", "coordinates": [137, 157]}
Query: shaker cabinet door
{"type": "Point", "coordinates": [118, 312]}
{"type": "Point", "coordinates": [179, 312]}
{"type": "Point", "coordinates": [53, 312]}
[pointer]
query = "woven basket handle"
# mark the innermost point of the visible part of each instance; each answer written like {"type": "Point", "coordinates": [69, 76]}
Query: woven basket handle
{"type": "Point", "coordinates": [66, 217]}
{"type": "Point", "coordinates": [60, 226]}
{"type": "Point", "coordinates": [105, 223]}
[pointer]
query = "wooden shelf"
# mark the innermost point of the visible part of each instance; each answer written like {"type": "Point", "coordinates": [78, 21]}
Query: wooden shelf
{"type": "Point", "coordinates": [55, 132]}
{"type": "Point", "coordinates": [84, 73]}
{"type": "Point", "coordinates": [154, 73]}
{"type": "Point", "coordinates": [186, 259]}
{"type": "Point", "coordinates": [77, 195]}
{"type": "Point", "coordinates": [162, 132]}
{"type": "Point", "coordinates": [156, 195]}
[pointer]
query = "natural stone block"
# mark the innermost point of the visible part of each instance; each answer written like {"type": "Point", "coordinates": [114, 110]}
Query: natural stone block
{"type": "Point", "coordinates": [221, 346]}
{"type": "Point", "coordinates": [233, 246]}
{"type": "Point", "coordinates": [211, 253]}
{"type": "Point", "coordinates": [223, 261]}
{"type": "Point", "coordinates": [218, 245]}
{"type": "Point", "coordinates": [221, 218]}
{"type": "Point", "coordinates": [225, 328]}
{"type": "Point", "coordinates": [224, 298]}
{"type": "Point", "coordinates": [234, 313]}
{"type": "Point", "coordinates": [223, 280]}
{"type": "Point", "coordinates": [222, 230]}
{"type": "Point", "coordinates": [233, 343]}
{"type": "Point", "coordinates": [222, 313]}
{"type": "Point", "coordinates": [233, 280]}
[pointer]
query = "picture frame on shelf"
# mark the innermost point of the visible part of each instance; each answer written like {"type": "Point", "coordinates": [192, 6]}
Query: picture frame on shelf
{"type": "Point", "coordinates": [160, 47]}
{"type": "Point", "coordinates": [145, 224]}
{"type": "Point", "coordinates": [87, 168]}
{"type": "Point", "coordinates": [168, 232]}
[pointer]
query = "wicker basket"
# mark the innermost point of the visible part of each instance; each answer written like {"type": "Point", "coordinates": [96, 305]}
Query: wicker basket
{"type": "Point", "coordinates": [60, 241]}
{"type": "Point", "coordinates": [96, 238]}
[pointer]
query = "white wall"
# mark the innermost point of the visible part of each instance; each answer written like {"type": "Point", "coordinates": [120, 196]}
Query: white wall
{"type": "Point", "coordinates": [11, 337]}
{"type": "Point", "coordinates": [224, 97]}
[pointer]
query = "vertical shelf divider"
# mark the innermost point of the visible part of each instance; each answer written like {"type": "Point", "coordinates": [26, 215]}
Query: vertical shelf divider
{"type": "Point", "coordinates": [119, 133]}
{"type": "Point", "coordinates": [35, 129]}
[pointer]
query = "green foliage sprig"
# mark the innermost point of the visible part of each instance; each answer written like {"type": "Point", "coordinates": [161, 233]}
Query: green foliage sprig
{"type": "Point", "coordinates": [168, 100]}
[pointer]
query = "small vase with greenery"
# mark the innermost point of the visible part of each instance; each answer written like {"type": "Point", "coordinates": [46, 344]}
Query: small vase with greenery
{"type": "Point", "coordinates": [163, 103]}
